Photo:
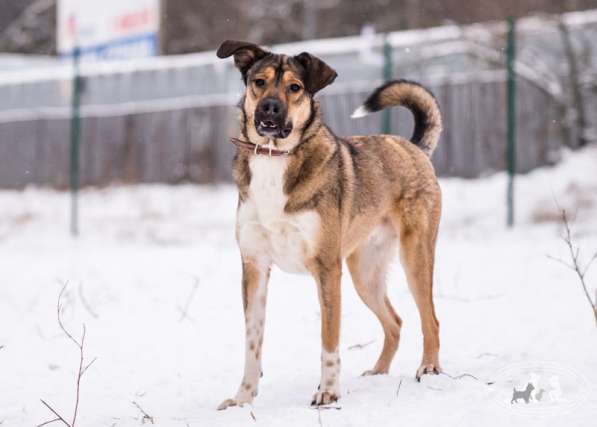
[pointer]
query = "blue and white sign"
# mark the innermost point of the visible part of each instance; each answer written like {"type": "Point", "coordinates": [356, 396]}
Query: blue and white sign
{"type": "Point", "coordinates": [108, 29]}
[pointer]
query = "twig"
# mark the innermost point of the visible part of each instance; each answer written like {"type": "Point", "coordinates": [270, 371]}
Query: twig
{"type": "Point", "coordinates": [327, 407]}
{"type": "Point", "coordinates": [575, 266]}
{"type": "Point", "coordinates": [47, 422]}
{"type": "Point", "coordinates": [88, 365]}
{"type": "Point", "coordinates": [465, 374]}
{"type": "Point", "coordinates": [85, 303]}
{"type": "Point", "coordinates": [252, 415]}
{"type": "Point", "coordinates": [58, 310]}
{"type": "Point", "coordinates": [359, 346]}
{"type": "Point", "coordinates": [593, 258]}
{"type": "Point", "coordinates": [457, 377]}
{"type": "Point", "coordinates": [185, 311]}
{"type": "Point", "coordinates": [82, 367]}
{"type": "Point", "coordinates": [398, 390]}
{"type": "Point", "coordinates": [55, 413]}
{"type": "Point", "coordinates": [561, 261]}
{"type": "Point", "coordinates": [81, 372]}
{"type": "Point", "coordinates": [146, 416]}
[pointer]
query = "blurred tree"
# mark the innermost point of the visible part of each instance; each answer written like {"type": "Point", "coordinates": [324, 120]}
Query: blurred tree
{"type": "Point", "coordinates": [28, 26]}
{"type": "Point", "coordinates": [203, 24]}
{"type": "Point", "coordinates": [195, 25]}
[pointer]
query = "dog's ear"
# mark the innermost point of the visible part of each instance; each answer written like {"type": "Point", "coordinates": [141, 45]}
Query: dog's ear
{"type": "Point", "coordinates": [245, 54]}
{"type": "Point", "coordinates": [318, 73]}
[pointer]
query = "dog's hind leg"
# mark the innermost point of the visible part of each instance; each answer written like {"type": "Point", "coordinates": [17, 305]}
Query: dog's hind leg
{"type": "Point", "coordinates": [368, 266]}
{"type": "Point", "coordinates": [254, 288]}
{"type": "Point", "coordinates": [417, 227]}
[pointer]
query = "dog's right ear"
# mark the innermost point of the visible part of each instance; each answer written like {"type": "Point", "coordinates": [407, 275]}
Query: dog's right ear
{"type": "Point", "coordinates": [245, 54]}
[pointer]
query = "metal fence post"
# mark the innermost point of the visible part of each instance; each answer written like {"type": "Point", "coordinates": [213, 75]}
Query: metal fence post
{"type": "Point", "coordinates": [386, 119]}
{"type": "Point", "coordinates": [511, 118]}
{"type": "Point", "coordinates": [75, 136]}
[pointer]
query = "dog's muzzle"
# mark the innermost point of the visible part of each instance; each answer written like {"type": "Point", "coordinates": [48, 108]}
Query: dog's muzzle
{"type": "Point", "coordinates": [270, 119]}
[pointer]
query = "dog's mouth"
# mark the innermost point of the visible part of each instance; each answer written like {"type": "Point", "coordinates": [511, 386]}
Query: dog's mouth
{"type": "Point", "coordinates": [271, 129]}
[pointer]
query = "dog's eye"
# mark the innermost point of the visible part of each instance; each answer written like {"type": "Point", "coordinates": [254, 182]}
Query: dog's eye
{"type": "Point", "coordinates": [294, 87]}
{"type": "Point", "coordinates": [259, 82]}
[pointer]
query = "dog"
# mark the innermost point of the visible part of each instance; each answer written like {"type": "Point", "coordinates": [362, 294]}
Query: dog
{"type": "Point", "coordinates": [307, 200]}
{"type": "Point", "coordinates": [523, 394]}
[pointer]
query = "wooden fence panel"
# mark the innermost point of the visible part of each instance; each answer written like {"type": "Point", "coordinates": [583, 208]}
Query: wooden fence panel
{"type": "Point", "coordinates": [191, 144]}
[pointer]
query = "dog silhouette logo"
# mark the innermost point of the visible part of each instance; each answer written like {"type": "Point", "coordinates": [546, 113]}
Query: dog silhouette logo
{"type": "Point", "coordinates": [523, 394]}
{"type": "Point", "coordinates": [539, 388]}
{"type": "Point", "coordinates": [538, 391]}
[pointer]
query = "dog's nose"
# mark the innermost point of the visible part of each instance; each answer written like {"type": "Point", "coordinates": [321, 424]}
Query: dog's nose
{"type": "Point", "coordinates": [271, 108]}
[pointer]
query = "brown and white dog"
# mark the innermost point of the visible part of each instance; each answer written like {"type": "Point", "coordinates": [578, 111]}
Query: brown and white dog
{"type": "Point", "coordinates": [309, 199]}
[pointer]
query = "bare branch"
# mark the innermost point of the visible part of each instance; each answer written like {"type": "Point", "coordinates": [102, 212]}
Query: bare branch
{"type": "Point", "coordinates": [577, 98]}
{"type": "Point", "coordinates": [88, 365]}
{"type": "Point", "coordinates": [398, 390]}
{"type": "Point", "coordinates": [586, 266]}
{"type": "Point", "coordinates": [359, 346]}
{"type": "Point", "coordinates": [47, 422]}
{"type": "Point", "coordinates": [82, 367]}
{"type": "Point", "coordinates": [85, 303]}
{"type": "Point", "coordinates": [76, 410]}
{"type": "Point", "coordinates": [58, 311]}
{"type": "Point", "coordinates": [561, 261]}
{"type": "Point", "coordinates": [146, 416]}
{"type": "Point", "coordinates": [457, 377]}
{"type": "Point", "coordinates": [185, 311]}
{"type": "Point", "coordinates": [575, 265]}
{"type": "Point", "coordinates": [55, 413]}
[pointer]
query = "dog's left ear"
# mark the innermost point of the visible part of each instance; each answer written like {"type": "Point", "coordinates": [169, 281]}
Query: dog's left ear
{"type": "Point", "coordinates": [245, 54]}
{"type": "Point", "coordinates": [318, 73]}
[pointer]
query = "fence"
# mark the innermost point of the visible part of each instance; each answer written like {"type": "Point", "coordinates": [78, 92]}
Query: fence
{"type": "Point", "coordinates": [169, 119]}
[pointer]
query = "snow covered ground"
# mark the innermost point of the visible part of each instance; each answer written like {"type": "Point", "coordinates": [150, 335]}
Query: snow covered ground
{"type": "Point", "coordinates": [508, 314]}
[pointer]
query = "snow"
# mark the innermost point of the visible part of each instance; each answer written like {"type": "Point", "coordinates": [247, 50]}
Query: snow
{"type": "Point", "coordinates": [505, 309]}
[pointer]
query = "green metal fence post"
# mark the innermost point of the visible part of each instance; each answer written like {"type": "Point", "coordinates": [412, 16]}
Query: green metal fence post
{"type": "Point", "coordinates": [75, 131]}
{"type": "Point", "coordinates": [511, 118]}
{"type": "Point", "coordinates": [386, 119]}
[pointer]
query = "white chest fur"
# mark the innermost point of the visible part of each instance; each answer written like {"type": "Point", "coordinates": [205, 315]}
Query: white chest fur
{"type": "Point", "coordinates": [264, 230]}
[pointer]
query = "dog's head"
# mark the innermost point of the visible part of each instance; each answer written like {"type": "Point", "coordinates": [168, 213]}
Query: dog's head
{"type": "Point", "coordinates": [279, 88]}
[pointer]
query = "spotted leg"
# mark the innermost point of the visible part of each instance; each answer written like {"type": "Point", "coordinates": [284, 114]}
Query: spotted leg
{"type": "Point", "coordinates": [254, 287]}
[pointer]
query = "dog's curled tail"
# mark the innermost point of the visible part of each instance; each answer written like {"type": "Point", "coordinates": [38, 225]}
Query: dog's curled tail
{"type": "Point", "coordinates": [419, 100]}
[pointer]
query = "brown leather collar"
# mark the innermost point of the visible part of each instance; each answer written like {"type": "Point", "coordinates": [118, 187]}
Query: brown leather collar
{"type": "Point", "coordinates": [259, 149]}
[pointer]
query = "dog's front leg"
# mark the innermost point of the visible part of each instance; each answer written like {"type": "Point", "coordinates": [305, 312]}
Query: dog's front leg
{"type": "Point", "coordinates": [327, 276]}
{"type": "Point", "coordinates": [254, 288]}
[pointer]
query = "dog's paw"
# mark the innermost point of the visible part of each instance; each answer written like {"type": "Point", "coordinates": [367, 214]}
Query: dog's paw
{"type": "Point", "coordinates": [239, 400]}
{"type": "Point", "coordinates": [324, 398]}
{"type": "Point", "coordinates": [429, 368]}
{"type": "Point", "coordinates": [227, 404]}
